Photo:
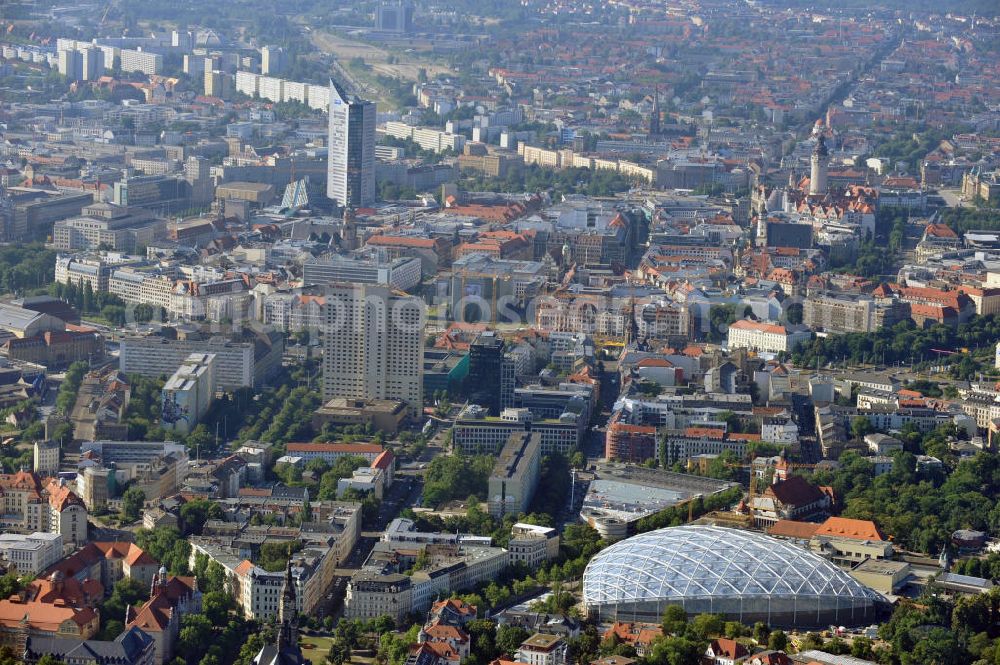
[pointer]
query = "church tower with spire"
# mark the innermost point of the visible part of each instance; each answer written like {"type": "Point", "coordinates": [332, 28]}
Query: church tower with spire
{"type": "Point", "coordinates": [286, 650]}
{"type": "Point", "coordinates": [288, 616]}
{"type": "Point", "coordinates": [654, 117]}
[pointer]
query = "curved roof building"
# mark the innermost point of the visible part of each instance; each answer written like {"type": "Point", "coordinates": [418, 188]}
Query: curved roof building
{"type": "Point", "coordinates": [743, 575]}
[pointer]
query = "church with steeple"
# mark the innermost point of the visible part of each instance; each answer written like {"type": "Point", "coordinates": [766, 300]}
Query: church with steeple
{"type": "Point", "coordinates": [286, 650]}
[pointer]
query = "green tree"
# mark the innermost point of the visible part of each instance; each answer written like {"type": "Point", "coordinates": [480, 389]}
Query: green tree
{"type": "Point", "coordinates": [196, 632]}
{"type": "Point", "coordinates": [861, 426]}
{"type": "Point", "coordinates": [777, 640]}
{"type": "Point", "coordinates": [216, 605]}
{"type": "Point", "coordinates": [509, 638]}
{"type": "Point", "coordinates": [133, 501]}
{"type": "Point", "coordinates": [675, 620]}
{"type": "Point", "coordinates": [195, 513]}
{"type": "Point", "coordinates": [126, 592]}
{"type": "Point", "coordinates": [675, 651]}
{"type": "Point", "coordinates": [707, 625]}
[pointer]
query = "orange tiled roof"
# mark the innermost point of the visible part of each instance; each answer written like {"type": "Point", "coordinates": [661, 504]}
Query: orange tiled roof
{"type": "Point", "coordinates": [843, 527]}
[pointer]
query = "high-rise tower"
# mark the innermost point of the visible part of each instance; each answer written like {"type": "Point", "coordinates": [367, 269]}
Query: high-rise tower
{"type": "Point", "coordinates": [654, 117]}
{"type": "Point", "coordinates": [373, 344]}
{"type": "Point", "coordinates": [350, 170]}
{"type": "Point", "coordinates": [818, 172]}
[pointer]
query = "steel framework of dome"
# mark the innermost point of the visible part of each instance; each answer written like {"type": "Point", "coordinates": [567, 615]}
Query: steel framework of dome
{"type": "Point", "coordinates": [743, 575]}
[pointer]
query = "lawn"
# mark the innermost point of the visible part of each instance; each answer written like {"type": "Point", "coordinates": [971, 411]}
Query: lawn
{"type": "Point", "coordinates": [315, 648]}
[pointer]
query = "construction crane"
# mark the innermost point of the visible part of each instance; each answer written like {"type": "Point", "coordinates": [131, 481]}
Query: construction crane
{"type": "Point", "coordinates": [107, 10]}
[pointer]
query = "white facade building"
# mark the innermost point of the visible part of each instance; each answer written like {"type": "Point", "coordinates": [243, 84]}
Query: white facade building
{"type": "Point", "coordinates": [766, 337]}
{"type": "Point", "coordinates": [30, 554]}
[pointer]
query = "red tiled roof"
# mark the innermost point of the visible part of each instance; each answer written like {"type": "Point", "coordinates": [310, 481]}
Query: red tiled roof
{"type": "Point", "coordinates": [793, 529]}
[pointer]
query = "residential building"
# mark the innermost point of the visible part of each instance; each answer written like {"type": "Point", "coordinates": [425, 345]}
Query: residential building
{"type": "Point", "coordinates": [374, 345]}
{"type": "Point", "coordinates": [101, 402]}
{"type": "Point", "coordinates": [532, 545]}
{"type": "Point", "coordinates": [726, 651]}
{"type": "Point", "coordinates": [141, 61]}
{"type": "Point", "coordinates": [188, 393]}
{"type": "Point", "coordinates": [542, 649]}
{"type": "Point", "coordinates": [46, 457]}
{"type": "Point", "coordinates": [160, 617]}
{"type": "Point", "coordinates": [30, 506]}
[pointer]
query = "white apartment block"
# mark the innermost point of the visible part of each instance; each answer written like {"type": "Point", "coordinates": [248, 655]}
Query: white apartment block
{"type": "Point", "coordinates": [45, 458]}
{"type": "Point", "coordinates": [141, 61]}
{"type": "Point", "coordinates": [271, 88]}
{"type": "Point", "coordinates": [319, 97]}
{"type": "Point", "coordinates": [542, 649]}
{"type": "Point", "coordinates": [156, 356]}
{"type": "Point", "coordinates": [140, 287]}
{"type": "Point", "coordinates": [295, 91]}
{"type": "Point", "coordinates": [428, 139]}
{"type": "Point", "coordinates": [248, 83]}
{"type": "Point", "coordinates": [188, 393]}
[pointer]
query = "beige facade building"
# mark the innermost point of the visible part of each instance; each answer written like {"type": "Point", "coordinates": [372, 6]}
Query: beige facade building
{"type": "Point", "coordinates": [515, 477]}
{"type": "Point", "coordinates": [373, 345]}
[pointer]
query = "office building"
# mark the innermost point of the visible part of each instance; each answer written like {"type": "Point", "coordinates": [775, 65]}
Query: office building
{"type": "Point", "coordinates": [130, 452]}
{"type": "Point", "coordinates": [35, 211]}
{"type": "Point", "coordinates": [351, 154]}
{"type": "Point", "coordinates": [486, 354]}
{"type": "Point", "coordinates": [197, 173]}
{"type": "Point", "coordinates": [402, 273]}
{"type": "Point", "coordinates": [116, 227]}
{"type": "Point", "coordinates": [394, 17]}
{"type": "Point", "coordinates": [188, 393]}
{"type": "Point", "coordinates": [373, 345]}
{"type": "Point", "coordinates": [149, 191]}
{"type": "Point", "coordinates": [515, 476]}
{"type": "Point", "coordinates": [477, 433]}
{"type": "Point", "coordinates": [239, 362]}
{"type": "Point", "coordinates": [30, 554]}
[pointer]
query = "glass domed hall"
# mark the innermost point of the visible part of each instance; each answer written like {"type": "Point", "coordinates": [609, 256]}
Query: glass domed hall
{"type": "Point", "coordinates": [743, 575]}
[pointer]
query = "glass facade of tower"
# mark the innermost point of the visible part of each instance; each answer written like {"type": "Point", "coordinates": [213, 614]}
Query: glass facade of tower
{"type": "Point", "coordinates": [351, 161]}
